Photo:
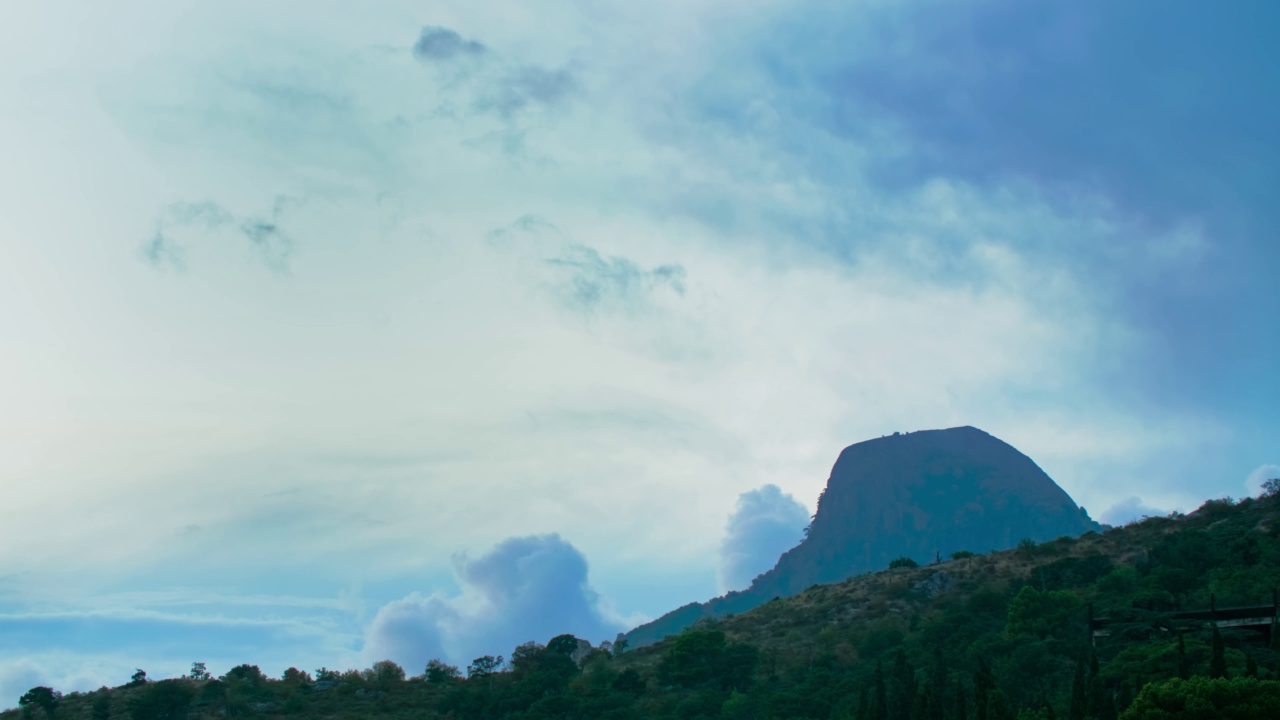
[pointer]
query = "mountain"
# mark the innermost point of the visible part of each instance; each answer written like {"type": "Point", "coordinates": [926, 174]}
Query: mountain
{"type": "Point", "coordinates": [921, 495]}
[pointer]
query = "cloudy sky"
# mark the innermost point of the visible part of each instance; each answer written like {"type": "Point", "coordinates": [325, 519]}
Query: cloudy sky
{"type": "Point", "coordinates": [334, 332]}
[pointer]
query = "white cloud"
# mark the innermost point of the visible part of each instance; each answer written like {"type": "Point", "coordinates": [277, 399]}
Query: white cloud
{"type": "Point", "coordinates": [527, 588]}
{"type": "Point", "coordinates": [1260, 474]}
{"type": "Point", "coordinates": [1131, 509]}
{"type": "Point", "coordinates": [748, 302]}
{"type": "Point", "coordinates": [766, 523]}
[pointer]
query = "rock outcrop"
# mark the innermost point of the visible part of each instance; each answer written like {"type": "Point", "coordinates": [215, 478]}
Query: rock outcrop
{"type": "Point", "coordinates": [919, 495]}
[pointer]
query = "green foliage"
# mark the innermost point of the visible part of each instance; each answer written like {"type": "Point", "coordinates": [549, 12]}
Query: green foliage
{"type": "Point", "coordinates": [962, 555]}
{"type": "Point", "coordinates": [903, 562]}
{"type": "Point", "coordinates": [484, 666]}
{"type": "Point", "coordinates": [1218, 661]}
{"type": "Point", "coordinates": [45, 698]}
{"type": "Point", "coordinates": [439, 672]}
{"type": "Point", "coordinates": [138, 678]}
{"type": "Point", "coordinates": [101, 708]}
{"type": "Point", "coordinates": [163, 700]}
{"type": "Point", "coordinates": [198, 671]}
{"type": "Point", "coordinates": [702, 658]}
{"type": "Point", "coordinates": [1040, 614]}
{"type": "Point", "coordinates": [1203, 698]}
{"type": "Point", "coordinates": [1003, 637]}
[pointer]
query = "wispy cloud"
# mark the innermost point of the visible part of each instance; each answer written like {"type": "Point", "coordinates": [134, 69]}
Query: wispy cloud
{"type": "Point", "coordinates": [263, 231]}
{"type": "Point", "coordinates": [596, 283]}
{"type": "Point", "coordinates": [436, 44]}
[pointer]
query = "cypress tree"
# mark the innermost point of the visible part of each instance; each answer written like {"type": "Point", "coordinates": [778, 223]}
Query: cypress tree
{"type": "Point", "coordinates": [1184, 669]}
{"type": "Point", "coordinates": [879, 702]}
{"type": "Point", "coordinates": [904, 686]}
{"type": "Point", "coordinates": [997, 707]}
{"type": "Point", "coordinates": [1078, 697]}
{"type": "Point", "coordinates": [983, 683]}
{"type": "Point", "coordinates": [1218, 663]}
{"type": "Point", "coordinates": [1093, 708]}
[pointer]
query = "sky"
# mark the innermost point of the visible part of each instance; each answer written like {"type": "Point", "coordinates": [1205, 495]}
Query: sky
{"type": "Point", "coordinates": [332, 333]}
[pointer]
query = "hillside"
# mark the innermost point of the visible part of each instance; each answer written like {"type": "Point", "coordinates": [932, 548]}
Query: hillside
{"type": "Point", "coordinates": [995, 636]}
{"type": "Point", "coordinates": [919, 495]}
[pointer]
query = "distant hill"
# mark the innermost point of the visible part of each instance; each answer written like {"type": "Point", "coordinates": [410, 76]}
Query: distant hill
{"type": "Point", "coordinates": [920, 495]}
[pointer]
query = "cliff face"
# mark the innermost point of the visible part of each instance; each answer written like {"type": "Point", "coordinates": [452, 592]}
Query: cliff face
{"type": "Point", "coordinates": [917, 495]}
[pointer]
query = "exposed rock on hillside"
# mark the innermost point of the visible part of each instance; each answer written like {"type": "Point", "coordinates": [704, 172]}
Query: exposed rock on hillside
{"type": "Point", "coordinates": [920, 495]}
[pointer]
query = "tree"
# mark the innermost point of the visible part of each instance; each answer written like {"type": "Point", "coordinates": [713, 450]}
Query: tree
{"type": "Point", "coordinates": [629, 681]}
{"type": "Point", "coordinates": [295, 677]}
{"type": "Point", "coordinates": [387, 674]}
{"type": "Point", "coordinates": [984, 683]}
{"type": "Point", "coordinates": [439, 672]}
{"type": "Point", "coordinates": [1184, 668]}
{"type": "Point", "coordinates": [251, 674]}
{"type": "Point", "coordinates": [45, 698]}
{"type": "Point", "coordinates": [1218, 661]}
{"type": "Point", "coordinates": [1271, 487]}
{"type": "Point", "coordinates": [484, 666]}
{"type": "Point", "coordinates": [962, 555]}
{"type": "Point", "coordinates": [563, 645]}
{"type": "Point", "coordinates": [164, 700]}
{"type": "Point", "coordinates": [1079, 696]}
{"type": "Point", "coordinates": [903, 562]}
{"type": "Point", "coordinates": [138, 678]}
{"type": "Point", "coordinates": [101, 709]}
{"type": "Point", "coordinates": [904, 687]}
{"type": "Point", "coordinates": [198, 672]}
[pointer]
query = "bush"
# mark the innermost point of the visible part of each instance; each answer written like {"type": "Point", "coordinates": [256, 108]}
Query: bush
{"type": "Point", "coordinates": [903, 562]}
{"type": "Point", "coordinates": [1201, 698]}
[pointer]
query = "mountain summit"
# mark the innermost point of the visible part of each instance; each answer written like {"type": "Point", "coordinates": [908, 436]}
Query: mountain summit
{"type": "Point", "coordinates": [919, 495]}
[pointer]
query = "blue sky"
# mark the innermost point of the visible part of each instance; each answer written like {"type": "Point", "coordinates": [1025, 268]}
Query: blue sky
{"type": "Point", "coordinates": [336, 333]}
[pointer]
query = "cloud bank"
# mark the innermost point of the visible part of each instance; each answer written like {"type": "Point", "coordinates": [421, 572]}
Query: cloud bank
{"type": "Point", "coordinates": [766, 523]}
{"type": "Point", "coordinates": [526, 588]}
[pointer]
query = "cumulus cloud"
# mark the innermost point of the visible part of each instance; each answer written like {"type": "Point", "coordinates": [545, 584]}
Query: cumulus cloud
{"type": "Point", "coordinates": [1260, 474]}
{"type": "Point", "coordinates": [766, 523]}
{"type": "Point", "coordinates": [436, 44]}
{"type": "Point", "coordinates": [1129, 510]}
{"type": "Point", "coordinates": [526, 588]}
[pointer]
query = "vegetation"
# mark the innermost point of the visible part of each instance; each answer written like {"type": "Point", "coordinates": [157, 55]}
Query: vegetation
{"type": "Point", "coordinates": [1001, 636]}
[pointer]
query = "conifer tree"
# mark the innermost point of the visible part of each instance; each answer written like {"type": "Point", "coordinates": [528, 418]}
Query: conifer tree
{"type": "Point", "coordinates": [983, 683]}
{"type": "Point", "coordinates": [904, 686]}
{"type": "Point", "coordinates": [1184, 670]}
{"type": "Point", "coordinates": [1078, 696]}
{"type": "Point", "coordinates": [998, 707]}
{"type": "Point", "coordinates": [1218, 663]}
{"type": "Point", "coordinates": [880, 701]}
{"type": "Point", "coordinates": [1093, 708]}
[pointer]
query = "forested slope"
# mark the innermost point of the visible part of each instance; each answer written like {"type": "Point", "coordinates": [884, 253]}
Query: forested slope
{"type": "Point", "coordinates": [988, 637]}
